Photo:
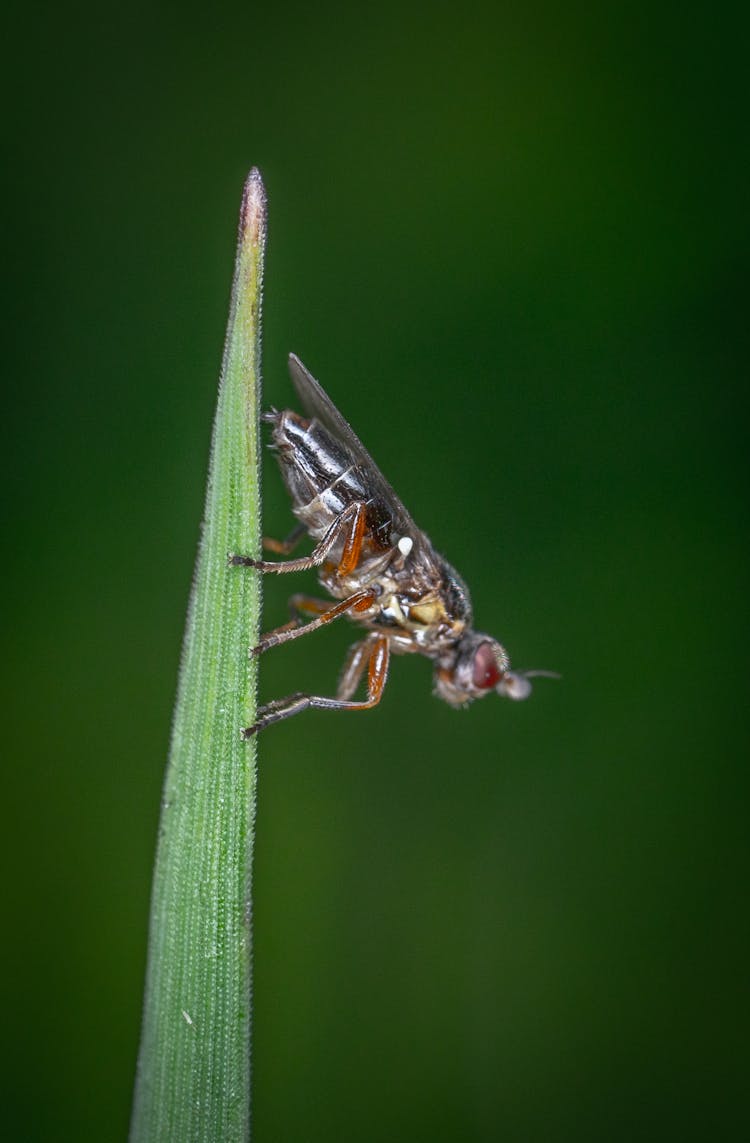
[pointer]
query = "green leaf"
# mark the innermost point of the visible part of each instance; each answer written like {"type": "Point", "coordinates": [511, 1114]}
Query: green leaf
{"type": "Point", "coordinates": [193, 1080]}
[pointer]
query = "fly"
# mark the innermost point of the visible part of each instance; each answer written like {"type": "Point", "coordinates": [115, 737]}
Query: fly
{"type": "Point", "coordinates": [381, 570]}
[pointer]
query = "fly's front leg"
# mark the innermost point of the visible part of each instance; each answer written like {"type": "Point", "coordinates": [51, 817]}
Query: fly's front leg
{"type": "Point", "coordinates": [349, 526]}
{"type": "Point", "coordinates": [377, 672]}
{"type": "Point", "coordinates": [359, 601]}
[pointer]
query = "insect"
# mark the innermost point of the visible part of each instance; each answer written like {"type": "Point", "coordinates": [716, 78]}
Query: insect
{"type": "Point", "coordinates": [376, 563]}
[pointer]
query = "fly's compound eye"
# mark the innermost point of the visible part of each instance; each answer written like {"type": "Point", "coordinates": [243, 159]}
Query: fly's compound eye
{"type": "Point", "coordinates": [485, 672]}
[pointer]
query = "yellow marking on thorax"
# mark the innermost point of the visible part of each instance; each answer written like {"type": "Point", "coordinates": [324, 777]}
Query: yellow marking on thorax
{"type": "Point", "coordinates": [428, 611]}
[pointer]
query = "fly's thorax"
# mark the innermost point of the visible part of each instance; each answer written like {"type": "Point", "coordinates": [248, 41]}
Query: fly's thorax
{"type": "Point", "coordinates": [437, 612]}
{"type": "Point", "coordinates": [424, 621]}
{"type": "Point", "coordinates": [457, 600]}
{"type": "Point", "coordinates": [433, 629]}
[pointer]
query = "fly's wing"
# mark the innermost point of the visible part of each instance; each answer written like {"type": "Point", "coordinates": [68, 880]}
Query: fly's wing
{"type": "Point", "coordinates": [316, 403]}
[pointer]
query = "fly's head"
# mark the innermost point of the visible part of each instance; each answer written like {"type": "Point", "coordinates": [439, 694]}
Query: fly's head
{"type": "Point", "coordinates": [476, 666]}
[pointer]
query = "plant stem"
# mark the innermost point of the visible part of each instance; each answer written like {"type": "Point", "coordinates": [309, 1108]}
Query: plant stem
{"type": "Point", "coordinates": [193, 1078]}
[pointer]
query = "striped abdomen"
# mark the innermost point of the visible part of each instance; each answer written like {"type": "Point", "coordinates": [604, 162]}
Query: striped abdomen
{"type": "Point", "coordinates": [322, 478]}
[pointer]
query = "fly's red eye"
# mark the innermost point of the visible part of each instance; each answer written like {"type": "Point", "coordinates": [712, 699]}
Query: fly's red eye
{"type": "Point", "coordinates": [486, 672]}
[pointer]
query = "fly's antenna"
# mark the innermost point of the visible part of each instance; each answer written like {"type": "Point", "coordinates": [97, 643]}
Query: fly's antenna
{"type": "Point", "coordinates": [515, 684]}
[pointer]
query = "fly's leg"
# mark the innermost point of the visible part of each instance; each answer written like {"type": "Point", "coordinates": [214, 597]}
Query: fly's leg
{"type": "Point", "coordinates": [351, 672]}
{"type": "Point", "coordinates": [359, 601]}
{"type": "Point", "coordinates": [350, 526]}
{"type": "Point", "coordinates": [284, 547]}
{"type": "Point", "coordinates": [300, 605]}
{"type": "Point", "coordinates": [353, 532]}
{"type": "Point", "coordinates": [376, 653]}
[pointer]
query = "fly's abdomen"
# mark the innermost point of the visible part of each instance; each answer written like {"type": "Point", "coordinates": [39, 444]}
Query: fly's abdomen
{"type": "Point", "coordinates": [321, 476]}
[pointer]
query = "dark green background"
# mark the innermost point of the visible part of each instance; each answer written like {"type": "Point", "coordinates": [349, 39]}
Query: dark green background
{"type": "Point", "coordinates": [513, 243]}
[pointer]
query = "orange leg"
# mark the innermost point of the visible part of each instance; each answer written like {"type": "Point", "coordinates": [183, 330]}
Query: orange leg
{"type": "Point", "coordinates": [377, 673]}
{"type": "Point", "coordinates": [284, 547]}
{"type": "Point", "coordinates": [300, 605]}
{"type": "Point", "coordinates": [353, 541]}
{"type": "Point", "coordinates": [359, 601]}
{"type": "Point", "coordinates": [349, 526]}
{"type": "Point", "coordinates": [351, 673]}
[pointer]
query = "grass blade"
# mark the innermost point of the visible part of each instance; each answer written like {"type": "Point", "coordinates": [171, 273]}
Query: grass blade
{"type": "Point", "coordinates": [193, 1079]}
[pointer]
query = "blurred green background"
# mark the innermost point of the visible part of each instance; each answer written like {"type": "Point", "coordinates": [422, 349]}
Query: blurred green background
{"type": "Point", "coordinates": [512, 241]}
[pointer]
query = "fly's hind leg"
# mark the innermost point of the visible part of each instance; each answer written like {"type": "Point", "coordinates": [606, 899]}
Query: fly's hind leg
{"type": "Point", "coordinates": [349, 527]}
{"type": "Point", "coordinates": [373, 652]}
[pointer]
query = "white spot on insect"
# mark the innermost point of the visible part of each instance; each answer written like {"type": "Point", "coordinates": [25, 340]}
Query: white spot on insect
{"type": "Point", "coordinates": [405, 545]}
{"type": "Point", "coordinates": [393, 610]}
{"type": "Point", "coordinates": [186, 1017]}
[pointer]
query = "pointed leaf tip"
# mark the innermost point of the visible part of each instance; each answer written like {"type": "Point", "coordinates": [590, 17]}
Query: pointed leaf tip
{"type": "Point", "coordinates": [253, 210]}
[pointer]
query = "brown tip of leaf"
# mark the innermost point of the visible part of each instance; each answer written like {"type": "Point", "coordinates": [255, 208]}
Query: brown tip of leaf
{"type": "Point", "coordinates": [253, 209]}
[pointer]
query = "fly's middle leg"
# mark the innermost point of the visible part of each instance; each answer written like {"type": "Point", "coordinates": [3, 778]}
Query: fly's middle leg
{"type": "Point", "coordinates": [358, 602]}
{"type": "Point", "coordinates": [349, 527]}
{"type": "Point", "coordinates": [299, 606]}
